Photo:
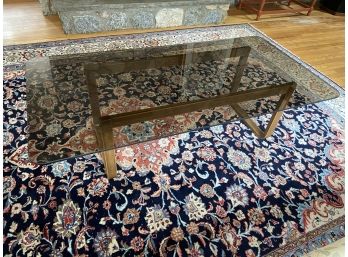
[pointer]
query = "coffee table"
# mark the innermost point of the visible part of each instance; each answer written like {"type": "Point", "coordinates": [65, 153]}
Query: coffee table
{"type": "Point", "coordinates": [87, 103]}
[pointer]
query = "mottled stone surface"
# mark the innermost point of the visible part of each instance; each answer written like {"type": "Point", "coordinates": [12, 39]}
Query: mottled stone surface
{"type": "Point", "coordinates": [211, 7]}
{"type": "Point", "coordinates": [169, 17]}
{"type": "Point", "coordinates": [224, 7]}
{"type": "Point", "coordinates": [47, 8]}
{"type": "Point", "coordinates": [213, 16]}
{"type": "Point", "coordinates": [194, 15]}
{"type": "Point", "coordinates": [233, 2]}
{"type": "Point", "coordinates": [143, 19]}
{"type": "Point", "coordinates": [117, 20]}
{"type": "Point", "coordinates": [86, 24]}
{"type": "Point", "coordinates": [87, 5]}
{"type": "Point", "coordinates": [92, 15]}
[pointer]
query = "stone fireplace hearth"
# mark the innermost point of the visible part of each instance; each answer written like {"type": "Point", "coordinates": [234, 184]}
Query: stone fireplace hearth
{"type": "Point", "coordinates": [87, 16]}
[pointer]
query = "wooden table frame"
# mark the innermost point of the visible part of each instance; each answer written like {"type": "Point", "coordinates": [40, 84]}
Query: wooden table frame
{"type": "Point", "coordinates": [248, 5]}
{"type": "Point", "coordinates": [104, 124]}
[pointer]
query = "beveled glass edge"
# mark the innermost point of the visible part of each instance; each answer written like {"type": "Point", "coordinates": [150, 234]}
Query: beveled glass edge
{"type": "Point", "coordinates": [203, 127]}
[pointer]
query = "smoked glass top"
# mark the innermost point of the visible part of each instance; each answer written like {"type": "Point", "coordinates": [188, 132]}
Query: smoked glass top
{"type": "Point", "coordinates": [86, 103]}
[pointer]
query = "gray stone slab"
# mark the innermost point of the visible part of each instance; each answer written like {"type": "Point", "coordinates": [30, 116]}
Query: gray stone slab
{"type": "Point", "coordinates": [69, 5]}
{"type": "Point", "coordinates": [213, 16]}
{"type": "Point", "coordinates": [47, 8]}
{"type": "Point", "coordinates": [142, 19]}
{"type": "Point", "coordinates": [169, 17]}
{"type": "Point", "coordinates": [86, 24]}
{"type": "Point", "coordinates": [116, 20]}
{"type": "Point", "coordinates": [194, 15]}
{"type": "Point", "coordinates": [105, 18]}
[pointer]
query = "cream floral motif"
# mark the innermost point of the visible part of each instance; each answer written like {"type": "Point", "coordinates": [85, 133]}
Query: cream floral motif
{"type": "Point", "coordinates": [53, 129]}
{"type": "Point", "coordinates": [30, 238]}
{"type": "Point", "coordinates": [237, 195]}
{"type": "Point", "coordinates": [48, 102]}
{"type": "Point", "coordinates": [105, 243]}
{"type": "Point", "coordinates": [239, 159]}
{"type": "Point", "coordinates": [262, 154]}
{"type": "Point", "coordinates": [230, 238]}
{"type": "Point", "coordinates": [157, 219]}
{"type": "Point", "coordinates": [68, 218]}
{"type": "Point", "coordinates": [194, 207]}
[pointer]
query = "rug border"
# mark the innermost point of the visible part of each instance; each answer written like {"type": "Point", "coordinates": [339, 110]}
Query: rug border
{"type": "Point", "coordinates": [332, 104]}
{"type": "Point", "coordinates": [247, 26]}
{"type": "Point", "coordinates": [298, 243]}
{"type": "Point", "coordinates": [128, 35]}
{"type": "Point", "coordinates": [304, 240]}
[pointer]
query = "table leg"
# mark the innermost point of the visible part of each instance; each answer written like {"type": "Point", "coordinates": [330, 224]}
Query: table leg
{"type": "Point", "coordinates": [240, 4]}
{"type": "Point", "coordinates": [242, 64]}
{"type": "Point", "coordinates": [109, 160]}
{"type": "Point", "coordinates": [252, 125]}
{"type": "Point", "coordinates": [105, 141]}
{"type": "Point", "coordinates": [259, 12]}
{"type": "Point", "coordinates": [282, 103]}
{"type": "Point", "coordinates": [311, 7]}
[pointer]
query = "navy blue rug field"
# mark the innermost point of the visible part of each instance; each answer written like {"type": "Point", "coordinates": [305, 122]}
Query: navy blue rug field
{"type": "Point", "coordinates": [214, 192]}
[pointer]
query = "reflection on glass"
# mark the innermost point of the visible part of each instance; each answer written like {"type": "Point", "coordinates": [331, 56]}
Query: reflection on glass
{"type": "Point", "coordinates": [85, 103]}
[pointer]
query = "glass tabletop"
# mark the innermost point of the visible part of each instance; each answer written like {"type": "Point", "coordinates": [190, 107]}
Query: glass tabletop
{"type": "Point", "coordinates": [137, 95]}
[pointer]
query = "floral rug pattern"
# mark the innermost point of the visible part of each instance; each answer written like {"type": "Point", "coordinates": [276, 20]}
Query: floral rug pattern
{"type": "Point", "coordinates": [213, 192]}
{"type": "Point", "coordinates": [61, 124]}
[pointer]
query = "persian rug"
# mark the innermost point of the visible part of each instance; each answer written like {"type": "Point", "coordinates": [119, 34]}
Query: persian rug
{"type": "Point", "coordinates": [211, 192]}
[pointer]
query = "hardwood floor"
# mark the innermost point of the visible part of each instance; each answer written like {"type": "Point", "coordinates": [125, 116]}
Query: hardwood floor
{"type": "Point", "coordinates": [317, 39]}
